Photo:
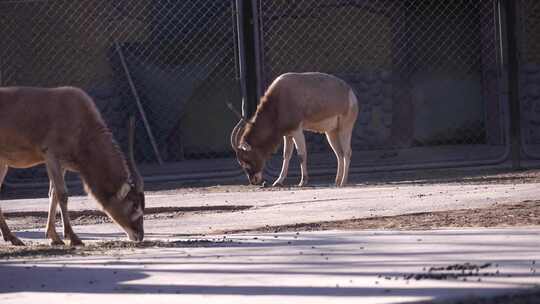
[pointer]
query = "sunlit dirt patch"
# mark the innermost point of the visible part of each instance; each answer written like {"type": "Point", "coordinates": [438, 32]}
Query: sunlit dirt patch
{"type": "Point", "coordinates": [525, 213]}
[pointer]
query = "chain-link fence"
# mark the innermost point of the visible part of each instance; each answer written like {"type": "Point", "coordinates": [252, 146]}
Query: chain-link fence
{"type": "Point", "coordinates": [529, 76]}
{"type": "Point", "coordinates": [176, 58]}
{"type": "Point", "coordinates": [426, 73]}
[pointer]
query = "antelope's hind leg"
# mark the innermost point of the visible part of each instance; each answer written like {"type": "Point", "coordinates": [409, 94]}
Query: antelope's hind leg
{"type": "Point", "coordinates": [300, 143]}
{"type": "Point", "coordinates": [6, 233]}
{"type": "Point", "coordinates": [345, 140]}
{"type": "Point", "coordinates": [335, 142]}
{"type": "Point", "coordinates": [345, 135]}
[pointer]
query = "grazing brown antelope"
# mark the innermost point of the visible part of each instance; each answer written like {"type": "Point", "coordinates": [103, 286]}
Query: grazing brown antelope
{"type": "Point", "coordinates": [295, 102]}
{"type": "Point", "coordinates": [62, 128]}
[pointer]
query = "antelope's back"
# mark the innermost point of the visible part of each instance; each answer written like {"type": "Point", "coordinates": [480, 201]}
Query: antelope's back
{"type": "Point", "coordinates": [31, 118]}
{"type": "Point", "coordinates": [317, 95]}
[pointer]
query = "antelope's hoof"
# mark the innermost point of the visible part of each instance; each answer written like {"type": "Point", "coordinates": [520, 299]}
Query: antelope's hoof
{"type": "Point", "coordinates": [15, 241]}
{"type": "Point", "coordinates": [302, 184]}
{"type": "Point", "coordinates": [76, 242]}
{"type": "Point", "coordinates": [57, 242]}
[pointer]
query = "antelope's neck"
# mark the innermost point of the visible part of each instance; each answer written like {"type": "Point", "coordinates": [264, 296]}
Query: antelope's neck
{"type": "Point", "coordinates": [103, 168]}
{"type": "Point", "coordinates": [264, 133]}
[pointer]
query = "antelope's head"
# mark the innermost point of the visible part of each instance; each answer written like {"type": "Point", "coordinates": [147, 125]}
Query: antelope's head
{"type": "Point", "coordinates": [250, 158]}
{"type": "Point", "coordinates": [127, 207]}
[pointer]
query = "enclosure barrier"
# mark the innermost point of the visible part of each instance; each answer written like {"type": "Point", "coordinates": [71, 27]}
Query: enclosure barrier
{"type": "Point", "coordinates": [430, 76]}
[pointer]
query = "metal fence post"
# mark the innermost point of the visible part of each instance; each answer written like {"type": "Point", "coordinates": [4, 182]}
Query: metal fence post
{"type": "Point", "coordinates": [241, 54]}
{"type": "Point", "coordinates": [249, 42]}
{"type": "Point", "coordinates": [257, 30]}
{"type": "Point", "coordinates": [512, 67]}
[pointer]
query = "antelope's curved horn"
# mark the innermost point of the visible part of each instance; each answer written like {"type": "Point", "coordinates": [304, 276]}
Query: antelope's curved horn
{"type": "Point", "coordinates": [236, 133]}
{"type": "Point", "coordinates": [230, 106]}
{"type": "Point", "coordinates": [137, 179]}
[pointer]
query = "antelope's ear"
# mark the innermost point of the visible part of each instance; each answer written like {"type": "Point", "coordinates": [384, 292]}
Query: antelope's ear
{"type": "Point", "coordinates": [124, 190]}
{"type": "Point", "coordinates": [245, 146]}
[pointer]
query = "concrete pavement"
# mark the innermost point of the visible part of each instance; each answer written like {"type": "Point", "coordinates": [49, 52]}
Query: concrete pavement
{"type": "Point", "coordinates": [312, 267]}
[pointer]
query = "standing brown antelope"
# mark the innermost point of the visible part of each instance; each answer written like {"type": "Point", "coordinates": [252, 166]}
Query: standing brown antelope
{"type": "Point", "coordinates": [295, 102]}
{"type": "Point", "coordinates": [62, 128]}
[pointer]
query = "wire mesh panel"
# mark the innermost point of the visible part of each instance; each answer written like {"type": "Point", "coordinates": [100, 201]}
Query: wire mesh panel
{"type": "Point", "coordinates": [178, 55]}
{"type": "Point", "coordinates": [426, 73]}
{"type": "Point", "coordinates": [529, 77]}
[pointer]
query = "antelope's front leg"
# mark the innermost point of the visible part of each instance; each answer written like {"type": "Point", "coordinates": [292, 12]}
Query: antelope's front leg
{"type": "Point", "coordinates": [287, 153]}
{"type": "Point", "coordinates": [51, 219]}
{"type": "Point", "coordinates": [68, 230]}
{"type": "Point", "coordinates": [6, 233]}
{"type": "Point", "coordinates": [60, 194]}
{"type": "Point", "coordinates": [300, 143]}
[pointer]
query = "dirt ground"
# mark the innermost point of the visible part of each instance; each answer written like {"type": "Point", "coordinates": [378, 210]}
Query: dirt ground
{"type": "Point", "coordinates": [525, 213]}
{"type": "Point", "coordinates": [461, 176]}
{"type": "Point", "coordinates": [498, 215]}
{"type": "Point", "coordinates": [31, 220]}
